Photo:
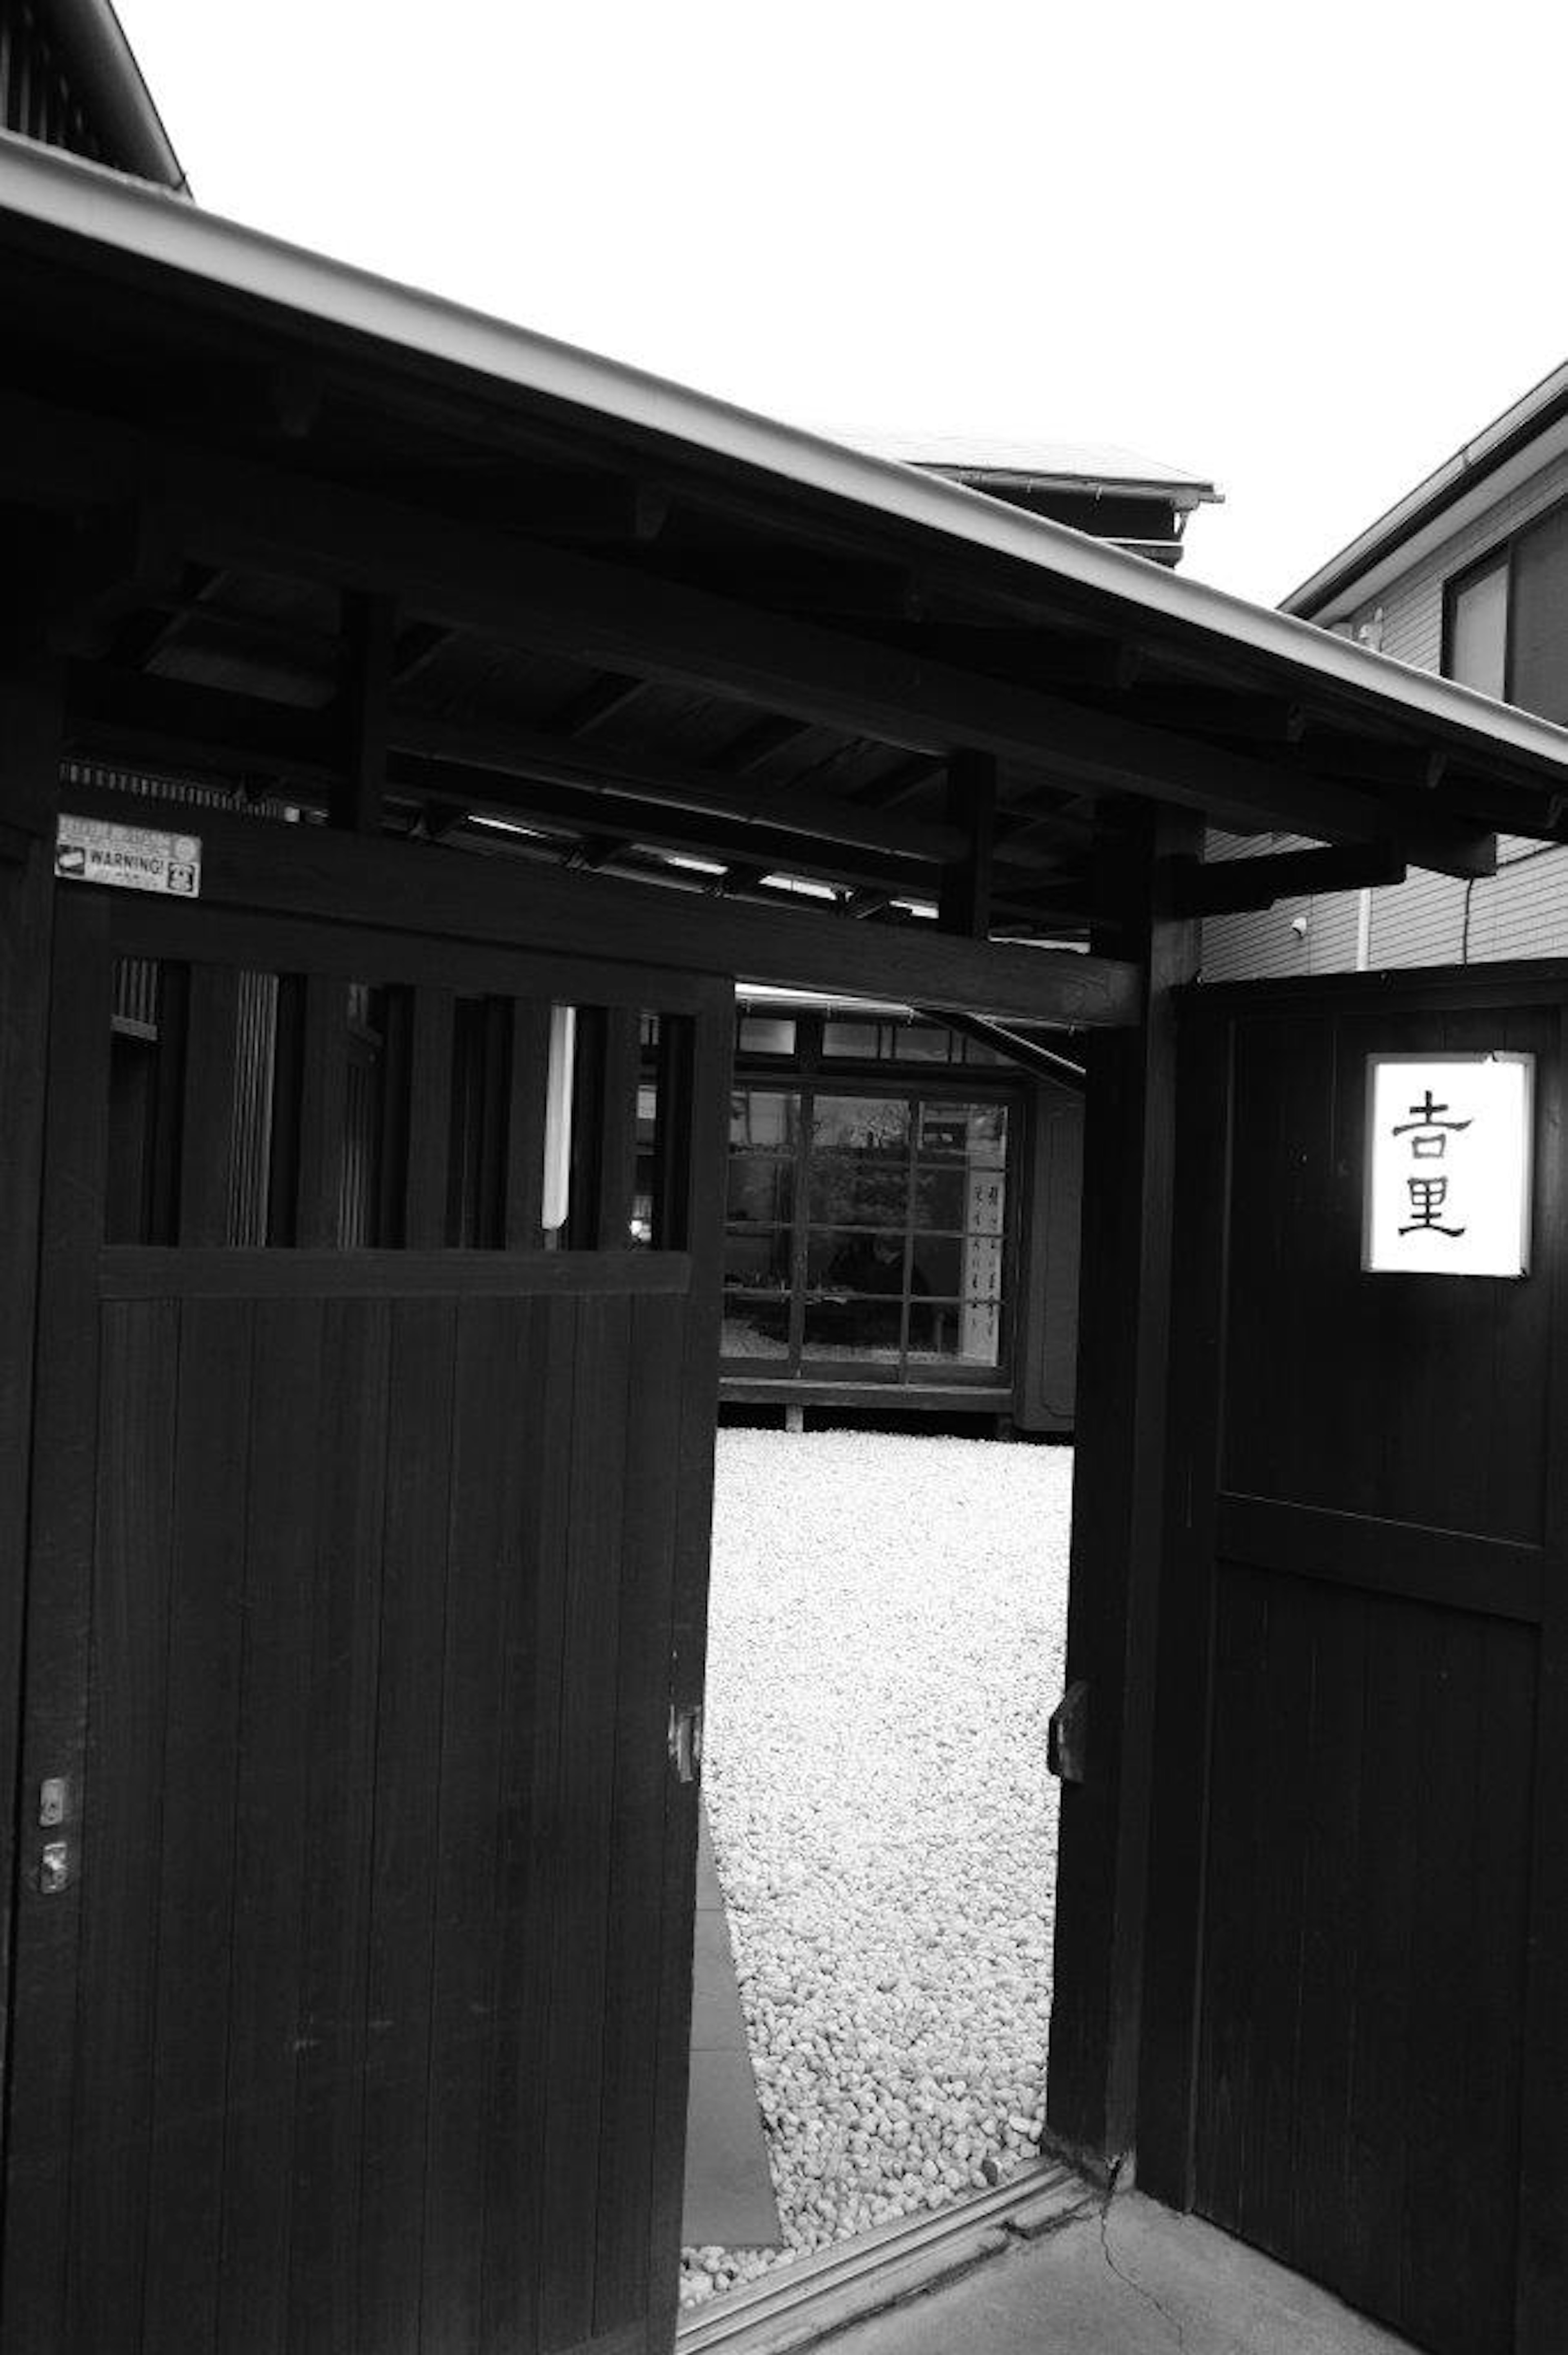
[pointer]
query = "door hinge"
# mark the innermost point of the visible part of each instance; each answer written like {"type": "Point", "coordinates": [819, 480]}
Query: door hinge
{"type": "Point", "coordinates": [686, 1740]}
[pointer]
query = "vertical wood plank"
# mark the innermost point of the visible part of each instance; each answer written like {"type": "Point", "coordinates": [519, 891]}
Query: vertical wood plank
{"type": "Point", "coordinates": [429, 1120]}
{"type": "Point", "coordinates": [196, 1864]}
{"type": "Point", "coordinates": [47, 1927]}
{"type": "Point", "coordinates": [1286, 1801]}
{"type": "Point", "coordinates": [1236, 1833]}
{"type": "Point", "coordinates": [400, 1963]}
{"type": "Point", "coordinates": [329, 2093]}
{"type": "Point", "coordinates": [527, 1075]}
{"type": "Point", "coordinates": [323, 1097]}
{"type": "Point", "coordinates": [1542, 2294]}
{"type": "Point", "coordinates": [27, 914]}
{"type": "Point", "coordinates": [533, 1855]}
{"type": "Point", "coordinates": [604, 1128]}
{"type": "Point", "coordinates": [116, 2011]}
{"type": "Point", "coordinates": [630, 2037]}
{"type": "Point", "coordinates": [275, 1801]}
{"type": "Point", "coordinates": [1336, 1771]}
{"type": "Point", "coordinates": [483, 1573]}
{"type": "Point", "coordinates": [206, 1125]}
{"type": "Point", "coordinates": [579, 1932]}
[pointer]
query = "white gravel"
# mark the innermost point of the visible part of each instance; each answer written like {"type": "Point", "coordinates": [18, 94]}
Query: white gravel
{"type": "Point", "coordinates": [885, 1646]}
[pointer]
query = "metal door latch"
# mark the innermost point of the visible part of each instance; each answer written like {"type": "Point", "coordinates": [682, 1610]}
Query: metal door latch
{"type": "Point", "coordinates": [51, 1802]}
{"type": "Point", "coordinates": [54, 1868]}
{"type": "Point", "coordinates": [686, 1741]}
{"type": "Point", "coordinates": [1067, 1734]}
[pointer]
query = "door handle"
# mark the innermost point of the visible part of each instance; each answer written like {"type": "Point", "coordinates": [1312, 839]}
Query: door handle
{"type": "Point", "coordinates": [686, 1740]}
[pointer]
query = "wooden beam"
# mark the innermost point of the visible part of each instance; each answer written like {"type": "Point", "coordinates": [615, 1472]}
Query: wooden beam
{"type": "Point", "coordinates": [522, 752]}
{"type": "Point", "coordinates": [418, 886]}
{"type": "Point", "coordinates": [226, 512]}
{"type": "Point", "coordinates": [595, 704]}
{"type": "Point", "coordinates": [609, 813]}
{"type": "Point", "coordinates": [1227, 886]}
{"type": "Point", "coordinates": [1226, 712]}
{"type": "Point", "coordinates": [964, 902]}
{"type": "Point", "coordinates": [369, 639]}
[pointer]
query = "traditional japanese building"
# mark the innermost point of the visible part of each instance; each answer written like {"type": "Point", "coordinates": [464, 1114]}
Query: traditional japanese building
{"type": "Point", "coordinates": [379, 701]}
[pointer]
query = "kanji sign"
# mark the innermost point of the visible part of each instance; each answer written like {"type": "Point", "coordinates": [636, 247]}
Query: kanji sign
{"type": "Point", "coordinates": [1450, 1142]}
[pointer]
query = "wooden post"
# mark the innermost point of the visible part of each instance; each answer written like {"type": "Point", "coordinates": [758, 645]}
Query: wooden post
{"type": "Point", "coordinates": [29, 767]}
{"type": "Point", "coordinates": [971, 804]}
{"type": "Point", "coordinates": [1113, 1607]}
{"type": "Point", "coordinates": [369, 628]}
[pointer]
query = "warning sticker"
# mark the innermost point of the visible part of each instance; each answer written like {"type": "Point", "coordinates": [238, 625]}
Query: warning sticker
{"type": "Point", "coordinates": [90, 850]}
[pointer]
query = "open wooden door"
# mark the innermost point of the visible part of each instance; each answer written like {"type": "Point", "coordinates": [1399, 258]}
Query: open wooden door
{"type": "Point", "coordinates": [370, 1536]}
{"type": "Point", "coordinates": [1354, 2031]}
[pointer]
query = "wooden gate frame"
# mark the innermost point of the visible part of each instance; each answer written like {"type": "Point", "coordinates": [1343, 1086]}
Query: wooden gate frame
{"type": "Point", "coordinates": [1164, 2125]}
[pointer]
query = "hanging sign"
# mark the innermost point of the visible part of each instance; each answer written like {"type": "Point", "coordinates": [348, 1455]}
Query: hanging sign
{"type": "Point", "coordinates": [1450, 1144]}
{"type": "Point", "coordinates": [134, 858]}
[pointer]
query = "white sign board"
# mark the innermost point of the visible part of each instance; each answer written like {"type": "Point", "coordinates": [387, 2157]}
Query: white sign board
{"type": "Point", "coordinates": [1449, 1147]}
{"type": "Point", "coordinates": [133, 857]}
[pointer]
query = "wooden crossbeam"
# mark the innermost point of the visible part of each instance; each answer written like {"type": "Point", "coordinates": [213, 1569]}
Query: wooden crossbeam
{"type": "Point", "coordinates": [1228, 886]}
{"type": "Point", "coordinates": [316, 872]}
{"type": "Point", "coordinates": [480, 582]}
{"type": "Point", "coordinates": [559, 761]}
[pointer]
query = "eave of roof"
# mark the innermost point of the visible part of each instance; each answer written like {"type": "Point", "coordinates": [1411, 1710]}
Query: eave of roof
{"type": "Point", "coordinates": [1474, 463]}
{"type": "Point", "coordinates": [142, 227]}
{"type": "Point", "coordinates": [1041, 466]}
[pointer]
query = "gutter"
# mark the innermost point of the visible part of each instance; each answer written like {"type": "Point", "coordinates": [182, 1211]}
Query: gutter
{"type": "Point", "coordinates": [115, 218]}
{"type": "Point", "coordinates": [1544, 406]}
{"type": "Point", "coordinates": [102, 67]}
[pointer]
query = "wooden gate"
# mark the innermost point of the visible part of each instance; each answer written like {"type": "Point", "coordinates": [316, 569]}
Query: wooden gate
{"type": "Point", "coordinates": [1354, 2043]}
{"type": "Point", "coordinates": [370, 1528]}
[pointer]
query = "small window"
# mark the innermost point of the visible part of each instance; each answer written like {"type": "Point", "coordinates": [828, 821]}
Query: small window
{"type": "Point", "coordinates": [1477, 632]}
{"type": "Point", "coordinates": [765, 1034]}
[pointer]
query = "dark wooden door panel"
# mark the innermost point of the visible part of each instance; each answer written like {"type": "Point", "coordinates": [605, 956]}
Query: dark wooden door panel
{"type": "Point", "coordinates": [370, 1873]}
{"type": "Point", "coordinates": [1353, 1907]}
{"type": "Point", "coordinates": [369, 1534]}
{"type": "Point", "coordinates": [1365, 1937]}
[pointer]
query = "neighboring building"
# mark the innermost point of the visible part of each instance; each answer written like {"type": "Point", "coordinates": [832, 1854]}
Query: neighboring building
{"type": "Point", "coordinates": [1467, 575]}
{"type": "Point", "coordinates": [68, 79]}
{"type": "Point", "coordinates": [1141, 504]}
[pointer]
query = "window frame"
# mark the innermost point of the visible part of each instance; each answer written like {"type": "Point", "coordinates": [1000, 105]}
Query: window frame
{"type": "Point", "coordinates": [1501, 552]}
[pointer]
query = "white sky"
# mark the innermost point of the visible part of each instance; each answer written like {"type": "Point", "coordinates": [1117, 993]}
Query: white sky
{"type": "Point", "coordinates": [1305, 252]}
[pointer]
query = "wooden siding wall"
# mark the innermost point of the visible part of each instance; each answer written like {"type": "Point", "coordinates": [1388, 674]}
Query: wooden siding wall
{"type": "Point", "coordinates": [1430, 920]}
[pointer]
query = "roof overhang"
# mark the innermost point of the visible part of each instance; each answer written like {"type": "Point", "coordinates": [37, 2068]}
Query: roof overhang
{"type": "Point", "coordinates": [638, 624]}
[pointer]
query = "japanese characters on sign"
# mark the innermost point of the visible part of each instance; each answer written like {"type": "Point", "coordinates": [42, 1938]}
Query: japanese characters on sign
{"type": "Point", "coordinates": [1448, 1165]}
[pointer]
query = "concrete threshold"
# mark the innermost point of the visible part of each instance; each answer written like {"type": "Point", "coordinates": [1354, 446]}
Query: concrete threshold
{"type": "Point", "coordinates": [796, 2304]}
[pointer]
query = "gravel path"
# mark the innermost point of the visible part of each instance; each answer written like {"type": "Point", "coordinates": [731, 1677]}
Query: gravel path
{"type": "Point", "coordinates": [885, 1646]}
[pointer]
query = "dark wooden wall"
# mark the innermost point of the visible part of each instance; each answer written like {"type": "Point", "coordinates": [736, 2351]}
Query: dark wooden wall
{"type": "Point", "coordinates": [1352, 2053]}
